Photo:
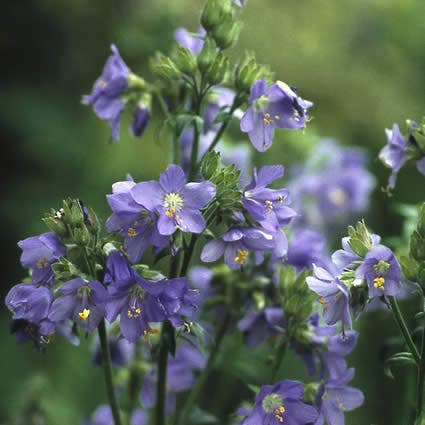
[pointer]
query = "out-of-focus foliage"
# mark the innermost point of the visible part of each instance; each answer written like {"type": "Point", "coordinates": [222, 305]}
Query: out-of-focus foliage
{"type": "Point", "coordinates": [361, 62]}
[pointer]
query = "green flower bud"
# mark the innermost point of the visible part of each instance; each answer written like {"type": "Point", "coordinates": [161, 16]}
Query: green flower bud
{"type": "Point", "coordinates": [56, 225]}
{"type": "Point", "coordinates": [213, 13]}
{"type": "Point", "coordinates": [218, 69]}
{"type": "Point", "coordinates": [81, 235]}
{"type": "Point", "coordinates": [310, 392]}
{"type": "Point", "coordinates": [247, 75]}
{"type": "Point", "coordinates": [207, 55]}
{"type": "Point", "coordinates": [417, 246]}
{"type": "Point", "coordinates": [135, 82]}
{"type": "Point", "coordinates": [164, 67]}
{"type": "Point", "coordinates": [210, 165]}
{"type": "Point", "coordinates": [227, 32]}
{"type": "Point", "coordinates": [185, 61]}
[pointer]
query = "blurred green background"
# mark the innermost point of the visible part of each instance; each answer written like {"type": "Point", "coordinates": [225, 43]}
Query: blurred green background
{"type": "Point", "coordinates": [362, 62]}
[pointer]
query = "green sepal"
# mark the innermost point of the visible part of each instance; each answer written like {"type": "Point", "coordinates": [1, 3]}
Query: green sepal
{"type": "Point", "coordinates": [398, 359]}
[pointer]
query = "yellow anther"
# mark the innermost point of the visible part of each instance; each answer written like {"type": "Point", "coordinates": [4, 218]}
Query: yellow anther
{"type": "Point", "coordinates": [133, 312]}
{"type": "Point", "coordinates": [102, 83]}
{"type": "Point", "coordinates": [42, 262]}
{"type": "Point", "coordinates": [131, 232]}
{"type": "Point", "coordinates": [267, 115]}
{"type": "Point", "coordinates": [378, 283]}
{"type": "Point", "coordinates": [241, 256]}
{"type": "Point", "coordinates": [269, 206]}
{"type": "Point", "coordinates": [129, 314]}
{"type": "Point", "coordinates": [84, 315]}
{"type": "Point", "coordinates": [322, 300]}
{"type": "Point", "coordinates": [278, 413]}
{"type": "Point", "coordinates": [170, 212]}
{"type": "Point", "coordinates": [277, 117]}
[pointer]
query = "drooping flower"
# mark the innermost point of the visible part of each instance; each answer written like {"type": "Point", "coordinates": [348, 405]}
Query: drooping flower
{"type": "Point", "coordinates": [393, 155]}
{"type": "Point", "coordinates": [265, 205]}
{"type": "Point", "coordinates": [332, 294]}
{"type": "Point", "coordinates": [83, 302]}
{"type": "Point", "coordinates": [258, 326]}
{"type": "Point", "coordinates": [381, 270]}
{"type": "Point", "coordinates": [39, 253]}
{"type": "Point", "coordinates": [107, 91]}
{"type": "Point", "coordinates": [270, 107]}
{"type": "Point", "coordinates": [180, 377]}
{"type": "Point", "coordinates": [280, 404]}
{"type": "Point", "coordinates": [176, 202]}
{"type": "Point", "coordinates": [140, 120]}
{"type": "Point", "coordinates": [133, 221]}
{"type": "Point", "coordinates": [236, 245]}
{"type": "Point", "coordinates": [138, 301]}
{"type": "Point", "coordinates": [189, 41]}
{"type": "Point", "coordinates": [307, 247]}
{"type": "Point", "coordinates": [335, 398]}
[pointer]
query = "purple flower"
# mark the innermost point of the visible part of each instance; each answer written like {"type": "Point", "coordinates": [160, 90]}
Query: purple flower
{"type": "Point", "coordinates": [180, 377]}
{"type": "Point", "coordinates": [345, 257]}
{"type": "Point", "coordinates": [270, 107]}
{"type": "Point", "coordinates": [331, 186]}
{"type": "Point", "coordinates": [393, 155]}
{"type": "Point", "coordinates": [258, 326]}
{"type": "Point", "coordinates": [187, 40]}
{"type": "Point", "coordinates": [335, 398]}
{"type": "Point", "coordinates": [333, 295]}
{"type": "Point", "coordinates": [138, 301]}
{"type": "Point", "coordinates": [280, 403]}
{"type": "Point", "coordinates": [140, 121]}
{"type": "Point", "coordinates": [83, 302]}
{"type": "Point", "coordinates": [39, 253]}
{"type": "Point", "coordinates": [29, 302]}
{"type": "Point", "coordinates": [176, 202]}
{"type": "Point", "coordinates": [236, 245]}
{"type": "Point", "coordinates": [105, 97]}
{"type": "Point", "coordinates": [307, 247]}
{"type": "Point", "coordinates": [265, 205]}
{"type": "Point", "coordinates": [133, 221]}
{"type": "Point", "coordinates": [219, 99]}
{"type": "Point", "coordinates": [381, 270]}
{"type": "Point", "coordinates": [103, 416]}
{"type": "Point", "coordinates": [120, 350]}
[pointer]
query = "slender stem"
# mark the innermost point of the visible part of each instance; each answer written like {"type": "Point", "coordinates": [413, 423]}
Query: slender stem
{"type": "Point", "coordinates": [166, 333]}
{"type": "Point", "coordinates": [222, 129]}
{"type": "Point", "coordinates": [107, 372]}
{"type": "Point", "coordinates": [183, 419]}
{"type": "Point", "coordinates": [195, 150]}
{"type": "Point", "coordinates": [188, 256]}
{"type": "Point", "coordinates": [421, 380]}
{"type": "Point", "coordinates": [404, 329]}
{"type": "Point", "coordinates": [281, 350]}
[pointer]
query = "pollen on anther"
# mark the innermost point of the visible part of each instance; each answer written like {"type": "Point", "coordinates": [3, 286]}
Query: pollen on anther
{"type": "Point", "coordinates": [84, 315]}
{"type": "Point", "coordinates": [131, 232]}
{"type": "Point", "coordinates": [378, 283]}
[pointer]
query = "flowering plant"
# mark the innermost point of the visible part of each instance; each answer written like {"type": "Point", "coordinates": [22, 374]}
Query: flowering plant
{"type": "Point", "coordinates": [266, 274]}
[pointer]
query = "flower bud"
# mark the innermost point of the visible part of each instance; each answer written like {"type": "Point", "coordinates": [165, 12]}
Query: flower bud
{"type": "Point", "coordinates": [56, 225]}
{"type": "Point", "coordinates": [227, 32]}
{"type": "Point", "coordinates": [164, 67]}
{"type": "Point", "coordinates": [218, 69]}
{"type": "Point", "coordinates": [213, 13]}
{"type": "Point", "coordinates": [207, 55]}
{"type": "Point", "coordinates": [135, 82]}
{"type": "Point", "coordinates": [185, 61]}
{"type": "Point", "coordinates": [417, 246]}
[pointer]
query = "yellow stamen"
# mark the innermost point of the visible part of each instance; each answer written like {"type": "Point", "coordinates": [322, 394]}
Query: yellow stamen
{"type": "Point", "coordinates": [134, 312]}
{"type": "Point", "coordinates": [378, 282]}
{"type": "Point", "coordinates": [84, 315]}
{"type": "Point", "coordinates": [322, 300]}
{"type": "Point", "coordinates": [42, 262]}
{"type": "Point", "coordinates": [131, 232]}
{"type": "Point", "coordinates": [102, 83]}
{"type": "Point", "coordinates": [241, 257]}
{"type": "Point", "coordinates": [278, 413]}
{"type": "Point", "coordinates": [276, 117]}
{"type": "Point", "coordinates": [170, 212]}
{"type": "Point", "coordinates": [269, 206]}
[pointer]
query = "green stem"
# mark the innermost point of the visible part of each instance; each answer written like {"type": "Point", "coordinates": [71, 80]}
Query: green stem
{"type": "Point", "coordinates": [107, 372]}
{"type": "Point", "coordinates": [183, 419]}
{"type": "Point", "coordinates": [421, 378]}
{"type": "Point", "coordinates": [404, 329]}
{"type": "Point", "coordinates": [281, 350]}
{"type": "Point", "coordinates": [166, 334]}
{"type": "Point", "coordinates": [195, 150]}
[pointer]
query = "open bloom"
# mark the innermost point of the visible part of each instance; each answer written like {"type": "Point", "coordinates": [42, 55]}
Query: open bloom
{"type": "Point", "coordinates": [138, 301]}
{"type": "Point", "coordinates": [176, 202]}
{"type": "Point", "coordinates": [381, 270]}
{"type": "Point", "coordinates": [335, 398]}
{"type": "Point", "coordinates": [236, 245]}
{"type": "Point", "coordinates": [133, 221]}
{"type": "Point", "coordinates": [83, 302]}
{"type": "Point", "coordinates": [265, 204]}
{"type": "Point", "coordinates": [39, 253]}
{"type": "Point", "coordinates": [187, 40]}
{"type": "Point", "coordinates": [105, 97]}
{"type": "Point", "coordinates": [333, 295]}
{"type": "Point", "coordinates": [280, 404]}
{"type": "Point", "coordinates": [258, 326]}
{"type": "Point", "coordinates": [180, 377]}
{"type": "Point", "coordinates": [270, 107]}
